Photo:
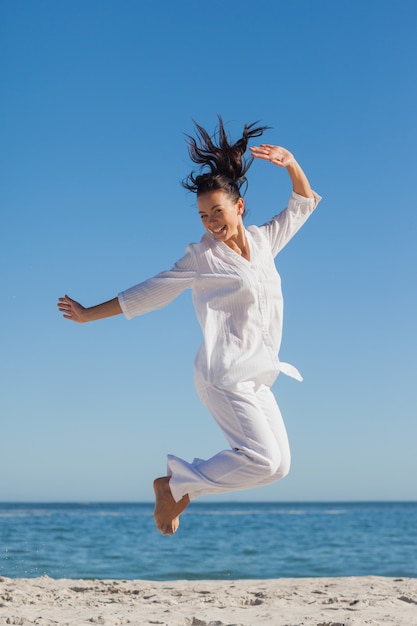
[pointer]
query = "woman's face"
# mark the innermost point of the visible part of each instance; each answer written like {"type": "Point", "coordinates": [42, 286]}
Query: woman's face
{"type": "Point", "coordinates": [221, 215]}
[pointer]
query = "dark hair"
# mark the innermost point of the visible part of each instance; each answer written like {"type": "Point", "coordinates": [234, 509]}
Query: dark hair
{"type": "Point", "coordinates": [225, 161]}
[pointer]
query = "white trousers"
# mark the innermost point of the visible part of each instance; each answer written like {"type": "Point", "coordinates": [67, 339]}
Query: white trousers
{"type": "Point", "coordinates": [252, 422]}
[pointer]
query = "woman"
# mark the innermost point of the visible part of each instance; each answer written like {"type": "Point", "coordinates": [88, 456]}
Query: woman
{"type": "Point", "coordinates": [237, 297]}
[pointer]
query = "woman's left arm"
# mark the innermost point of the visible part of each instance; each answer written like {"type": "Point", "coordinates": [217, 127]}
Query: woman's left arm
{"type": "Point", "coordinates": [283, 158]}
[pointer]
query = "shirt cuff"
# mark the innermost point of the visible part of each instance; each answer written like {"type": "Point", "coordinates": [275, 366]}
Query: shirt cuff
{"type": "Point", "coordinates": [300, 198]}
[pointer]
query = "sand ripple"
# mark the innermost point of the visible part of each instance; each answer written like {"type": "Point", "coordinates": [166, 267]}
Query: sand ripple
{"type": "Point", "coordinates": [353, 601]}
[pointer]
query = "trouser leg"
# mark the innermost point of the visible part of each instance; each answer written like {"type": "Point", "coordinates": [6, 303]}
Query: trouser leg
{"type": "Point", "coordinates": [259, 454]}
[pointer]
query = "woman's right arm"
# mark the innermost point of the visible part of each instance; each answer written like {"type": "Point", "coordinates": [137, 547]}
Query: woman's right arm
{"type": "Point", "coordinates": [148, 295]}
{"type": "Point", "coordinates": [74, 311]}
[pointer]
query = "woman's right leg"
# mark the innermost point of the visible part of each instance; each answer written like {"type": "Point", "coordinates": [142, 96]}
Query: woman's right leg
{"type": "Point", "coordinates": [259, 454]}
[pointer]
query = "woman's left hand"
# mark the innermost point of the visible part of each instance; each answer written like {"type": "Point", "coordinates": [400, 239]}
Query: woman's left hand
{"type": "Point", "coordinates": [283, 158]}
{"type": "Point", "coordinates": [275, 154]}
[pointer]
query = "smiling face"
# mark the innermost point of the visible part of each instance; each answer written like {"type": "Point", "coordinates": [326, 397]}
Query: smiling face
{"type": "Point", "coordinates": [221, 215]}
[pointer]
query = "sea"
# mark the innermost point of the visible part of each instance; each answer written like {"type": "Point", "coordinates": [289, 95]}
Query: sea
{"type": "Point", "coordinates": [245, 540]}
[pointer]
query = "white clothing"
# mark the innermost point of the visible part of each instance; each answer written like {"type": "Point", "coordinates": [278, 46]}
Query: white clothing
{"type": "Point", "coordinates": [239, 306]}
{"type": "Point", "coordinates": [259, 454]}
{"type": "Point", "coordinates": [238, 303]}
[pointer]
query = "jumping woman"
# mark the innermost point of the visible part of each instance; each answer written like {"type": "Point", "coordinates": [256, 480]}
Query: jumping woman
{"type": "Point", "coordinates": [237, 296]}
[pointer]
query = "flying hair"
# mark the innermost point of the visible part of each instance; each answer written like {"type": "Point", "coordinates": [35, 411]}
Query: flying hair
{"type": "Point", "coordinates": [222, 163]}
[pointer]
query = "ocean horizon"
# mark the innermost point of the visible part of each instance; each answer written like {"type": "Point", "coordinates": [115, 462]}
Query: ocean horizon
{"type": "Point", "coordinates": [216, 540]}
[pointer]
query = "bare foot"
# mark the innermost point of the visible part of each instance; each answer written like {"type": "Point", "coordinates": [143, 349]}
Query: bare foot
{"type": "Point", "coordinates": [175, 523]}
{"type": "Point", "coordinates": [167, 511]}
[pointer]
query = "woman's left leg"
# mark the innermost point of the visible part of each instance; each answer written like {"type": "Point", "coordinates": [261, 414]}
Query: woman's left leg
{"type": "Point", "coordinates": [276, 423]}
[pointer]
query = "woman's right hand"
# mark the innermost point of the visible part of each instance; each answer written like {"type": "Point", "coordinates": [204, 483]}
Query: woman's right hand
{"type": "Point", "coordinates": [72, 310]}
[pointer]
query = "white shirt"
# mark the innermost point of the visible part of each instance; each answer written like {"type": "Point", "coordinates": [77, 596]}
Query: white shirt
{"type": "Point", "coordinates": [238, 303]}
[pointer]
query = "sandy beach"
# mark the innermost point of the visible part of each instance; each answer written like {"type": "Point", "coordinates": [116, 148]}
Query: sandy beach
{"type": "Point", "coordinates": [351, 601]}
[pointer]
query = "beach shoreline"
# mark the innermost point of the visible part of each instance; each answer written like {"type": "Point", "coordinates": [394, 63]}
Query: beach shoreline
{"type": "Point", "coordinates": [341, 601]}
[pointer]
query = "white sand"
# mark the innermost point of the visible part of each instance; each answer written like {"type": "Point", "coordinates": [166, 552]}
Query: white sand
{"type": "Point", "coordinates": [363, 601]}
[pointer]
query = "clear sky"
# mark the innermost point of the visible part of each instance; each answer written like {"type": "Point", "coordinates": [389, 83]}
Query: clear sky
{"type": "Point", "coordinates": [95, 99]}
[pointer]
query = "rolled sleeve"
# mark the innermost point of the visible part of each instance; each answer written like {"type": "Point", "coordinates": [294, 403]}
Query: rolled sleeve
{"type": "Point", "coordinates": [286, 224]}
{"type": "Point", "coordinates": [159, 291]}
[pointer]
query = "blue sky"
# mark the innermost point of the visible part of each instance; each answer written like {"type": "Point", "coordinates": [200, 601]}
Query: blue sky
{"type": "Point", "coordinates": [95, 100]}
